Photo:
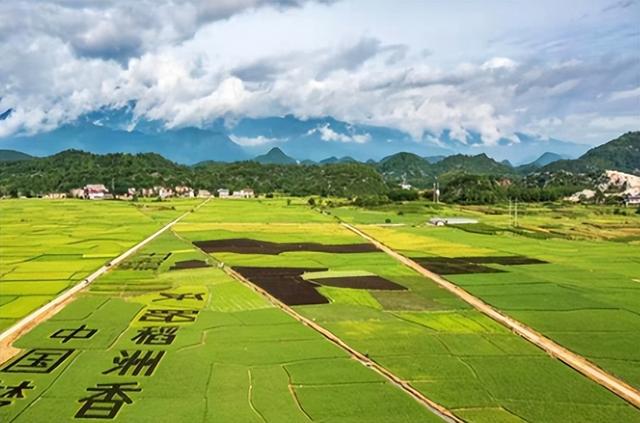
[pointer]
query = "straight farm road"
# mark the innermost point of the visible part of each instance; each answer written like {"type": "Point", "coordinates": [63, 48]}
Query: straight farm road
{"type": "Point", "coordinates": [431, 405]}
{"type": "Point", "coordinates": [575, 361]}
{"type": "Point", "coordinates": [9, 336]}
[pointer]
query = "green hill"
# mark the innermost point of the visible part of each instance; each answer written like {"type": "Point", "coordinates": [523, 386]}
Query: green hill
{"type": "Point", "coordinates": [13, 156]}
{"type": "Point", "coordinates": [275, 156]}
{"type": "Point", "coordinates": [622, 153]}
{"type": "Point", "coordinates": [480, 164]}
{"type": "Point", "coordinates": [73, 169]}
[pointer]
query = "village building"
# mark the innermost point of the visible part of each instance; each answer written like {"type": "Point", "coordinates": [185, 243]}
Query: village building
{"type": "Point", "coordinates": [76, 193]}
{"type": "Point", "coordinates": [203, 193]}
{"type": "Point", "coordinates": [184, 191]}
{"type": "Point", "coordinates": [244, 193]}
{"type": "Point", "coordinates": [55, 195]}
{"type": "Point", "coordinates": [95, 192]}
{"type": "Point", "coordinates": [163, 192]}
{"type": "Point", "coordinates": [443, 221]}
{"type": "Point", "coordinates": [223, 193]}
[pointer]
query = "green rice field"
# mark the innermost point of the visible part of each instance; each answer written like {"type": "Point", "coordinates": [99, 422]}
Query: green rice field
{"type": "Point", "coordinates": [172, 334]}
{"type": "Point", "coordinates": [49, 246]}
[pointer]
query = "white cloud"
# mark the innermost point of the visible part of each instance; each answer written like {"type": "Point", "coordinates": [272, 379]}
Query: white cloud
{"type": "Point", "coordinates": [499, 63]}
{"type": "Point", "coordinates": [255, 141]}
{"type": "Point", "coordinates": [625, 94]}
{"type": "Point", "coordinates": [328, 134]}
{"type": "Point", "coordinates": [179, 61]}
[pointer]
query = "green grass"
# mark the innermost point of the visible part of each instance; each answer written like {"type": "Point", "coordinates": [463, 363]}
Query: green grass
{"type": "Point", "coordinates": [49, 245]}
{"type": "Point", "coordinates": [586, 289]}
{"type": "Point", "coordinates": [241, 360]}
{"type": "Point", "coordinates": [244, 360]}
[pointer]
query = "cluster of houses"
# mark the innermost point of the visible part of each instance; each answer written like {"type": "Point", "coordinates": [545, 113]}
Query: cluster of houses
{"type": "Point", "coordinates": [101, 192]}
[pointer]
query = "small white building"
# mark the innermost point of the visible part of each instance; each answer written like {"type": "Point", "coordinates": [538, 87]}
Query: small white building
{"type": "Point", "coordinates": [442, 221]}
{"type": "Point", "coordinates": [95, 191]}
{"type": "Point", "coordinates": [55, 195]}
{"type": "Point", "coordinates": [184, 191]}
{"type": "Point", "coordinates": [405, 186]}
{"type": "Point", "coordinates": [244, 193]}
{"type": "Point", "coordinates": [203, 193]}
{"type": "Point", "coordinates": [223, 193]}
{"type": "Point", "coordinates": [77, 193]}
{"type": "Point", "coordinates": [163, 192]}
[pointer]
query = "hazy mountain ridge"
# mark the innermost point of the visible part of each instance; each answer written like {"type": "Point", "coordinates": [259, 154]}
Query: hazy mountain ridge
{"type": "Point", "coordinates": [119, 130]}
{"type": "Point", "coordinates": [13, 155]}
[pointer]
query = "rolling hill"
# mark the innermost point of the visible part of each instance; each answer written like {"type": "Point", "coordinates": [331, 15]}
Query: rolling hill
{"type": "Point", "coordinates": [13, 155]}
{"type": "Point", "coordinates": [622, 154]}
{"type": "Point", "coordinates": [275, 156]}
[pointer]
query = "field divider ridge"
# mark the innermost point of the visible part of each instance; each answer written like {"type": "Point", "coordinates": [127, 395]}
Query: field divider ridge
{"type": "Point", "coordinates": [573, 360]}
{"type": "Point", "coordinates": [404, 385]}
{"type": "Point", "coordinates": [54, 306]}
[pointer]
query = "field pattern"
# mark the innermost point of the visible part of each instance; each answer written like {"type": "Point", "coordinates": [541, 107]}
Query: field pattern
{"type": "Point", "coordinates": [585, 297]}
{"type": "Point", "coordinates": [170, 335]}
{"type": "Point", "coordinates": [48, 246]}
{"type": "Point", "coordinates": [453, 354]}
{"type": "Point", "coordinates": [188, 345]}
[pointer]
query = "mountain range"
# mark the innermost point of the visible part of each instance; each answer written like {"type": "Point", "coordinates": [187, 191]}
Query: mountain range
{"type": "Point", "coordinates": [314, 139]}
{"type": "Point", "coordinates": [275, 171]}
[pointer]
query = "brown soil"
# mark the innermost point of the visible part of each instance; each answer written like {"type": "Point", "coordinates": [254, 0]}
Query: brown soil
{"type": "Point", "coordinates": [360, 282]}
{"type": "Point", "coordinates": [189, 264]}
{"type": "Point", "coordinates": [285, 283]}
{"type": "Point", "coordinates": [253, 246]}
{"type": "Point", "coordinates": [464, 265]}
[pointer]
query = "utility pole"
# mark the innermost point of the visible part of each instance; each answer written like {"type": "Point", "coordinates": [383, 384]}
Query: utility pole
{"type": "Point", "coordinates": [516, 215]}
{"type": "Point", "coordinates": [113, 185]}
{"type": "Point", "coordinates": [436, 191]}
{"type": "Point", "coordinates": [510, 219]}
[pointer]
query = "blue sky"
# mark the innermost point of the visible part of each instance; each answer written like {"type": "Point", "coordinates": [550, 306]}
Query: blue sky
{"type": "Point", "coordinates": [569, 70]}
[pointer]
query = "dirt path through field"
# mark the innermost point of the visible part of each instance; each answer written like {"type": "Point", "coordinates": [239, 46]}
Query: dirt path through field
{"type": "Point", "coordinates": [432, 406]}
{"type": "Point", "coordinates": [577, 362]}
{"type": "Point", "coordinates": [9, 336]}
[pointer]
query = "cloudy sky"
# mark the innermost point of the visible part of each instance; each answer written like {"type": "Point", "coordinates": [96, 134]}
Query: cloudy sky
{"type": "Point", "coordinates": [565, 69]}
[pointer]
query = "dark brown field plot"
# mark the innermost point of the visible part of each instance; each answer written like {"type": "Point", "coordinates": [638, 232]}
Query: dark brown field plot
{"type": "Point", "coordinates": [285, 283]}
{"type": "Point", "coordinates": [360, 282]}
{"type": "Point", "coordinates": [462, 265]}
{"type": "Point", "coordinates": [189, 264]}
{"type": "Point", "coordinates": [254, 246]}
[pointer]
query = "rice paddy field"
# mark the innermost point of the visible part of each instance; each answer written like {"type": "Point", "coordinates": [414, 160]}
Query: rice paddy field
{"type": "Point", "coordinates": [183, 330]}
{"type": "Point", "coordinates": [48, 246]}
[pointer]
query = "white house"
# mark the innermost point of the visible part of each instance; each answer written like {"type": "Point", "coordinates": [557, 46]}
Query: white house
{"type": "Point", "coordinates": [405, 185]}
{"type": "Point", "coordinates": [203, 193]}
{"type": "Point", "coordinates": [95, 191]}
{"type": "Point", "coordinates": [442, 221]}
{"type": "Point", "coordinates": [244, 193]}
{"type": "Point", "coordinates": [223, 193]}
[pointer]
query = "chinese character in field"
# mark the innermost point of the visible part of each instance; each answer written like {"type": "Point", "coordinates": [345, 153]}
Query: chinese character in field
{"type": "Point", "coordinates": [180, 297]}
{"type": "Point", "coordinates": [11, 392]}
{"type": "Point", "coordinates": [80, 333]}
{"type": "Point", "coordinates": [169, 316]}
{"type": "Point", "coordinates": [41, 360]}
{"type": "Point", "coordinates": [107, 400]}
{"type": "Point", "coordinates": [132, 363]}
{"type": "Point", "coordinates": [160, 335]}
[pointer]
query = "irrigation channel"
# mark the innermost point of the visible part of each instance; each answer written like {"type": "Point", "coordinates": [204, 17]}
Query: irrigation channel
{"type": "Point", "coordinates": [8, 337]}
{"type": "Point", "coordinates": [573, 360]}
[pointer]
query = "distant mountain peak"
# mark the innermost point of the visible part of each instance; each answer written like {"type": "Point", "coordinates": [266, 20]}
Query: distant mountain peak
{"type": "Point", "coordinates": [275, 156]}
